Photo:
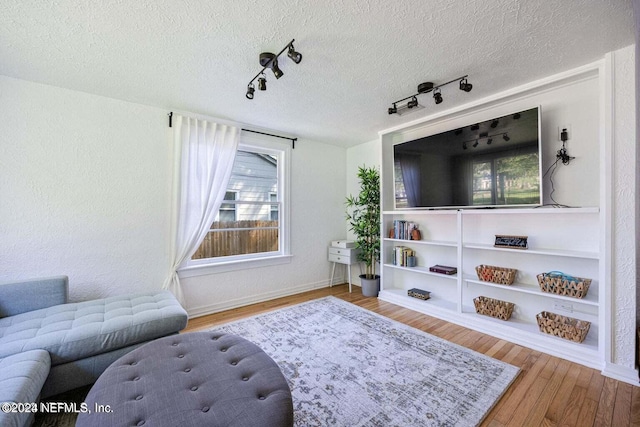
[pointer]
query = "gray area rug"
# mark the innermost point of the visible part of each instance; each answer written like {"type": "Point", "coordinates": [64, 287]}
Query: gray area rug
{"type": "Point", "coordinates": [348, 366]}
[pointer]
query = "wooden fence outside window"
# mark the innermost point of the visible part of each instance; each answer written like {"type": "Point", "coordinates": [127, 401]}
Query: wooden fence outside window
{"type": "Point", "coordinates": [239, 238]}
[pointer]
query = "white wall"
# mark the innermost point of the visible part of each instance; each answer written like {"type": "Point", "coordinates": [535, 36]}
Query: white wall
{"type": "Point", "coordinates": [625, 199]}
{"type": "Point", "coordinates": [84, 189]}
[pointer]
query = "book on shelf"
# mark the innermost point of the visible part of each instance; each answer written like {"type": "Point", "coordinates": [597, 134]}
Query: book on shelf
{"type": "Point", "coordinates": [400, 255]}
{"type": "Point", "coordinates": [403, 230]}
{"type": "Point", "coordinates": [443, 269]}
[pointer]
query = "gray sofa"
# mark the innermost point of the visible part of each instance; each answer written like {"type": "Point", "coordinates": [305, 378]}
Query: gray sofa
{"type": "Point", "coordinates": [49, 346]}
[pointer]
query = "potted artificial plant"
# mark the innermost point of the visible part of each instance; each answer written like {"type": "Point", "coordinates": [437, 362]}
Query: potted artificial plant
{"type": "Point", "coordinates": [363, 214]}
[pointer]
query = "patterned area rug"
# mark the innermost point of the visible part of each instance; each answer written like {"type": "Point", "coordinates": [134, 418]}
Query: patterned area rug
{"type": "Point", "coordinates": [347, 366]}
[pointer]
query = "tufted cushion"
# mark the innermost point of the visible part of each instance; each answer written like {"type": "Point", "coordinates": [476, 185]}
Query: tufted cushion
{"type": "Point", "coordinates": [78, 330]}
{"type": "Point", "coordinates": [21, 378]}
{"type": "Point", "coordinates": [193, 379]}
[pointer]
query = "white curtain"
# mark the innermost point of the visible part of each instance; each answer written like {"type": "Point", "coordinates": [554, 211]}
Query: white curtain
{"type": "Point", "coordinates": [204, 156]}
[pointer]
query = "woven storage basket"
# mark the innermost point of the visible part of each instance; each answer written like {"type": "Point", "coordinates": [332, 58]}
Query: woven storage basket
{"type": "Point", "coordinates": [500, 275]}
{"type": "Point", "coordinates": [559, 283]}
{"type": "Point", "coordinates": [564, 327]}
{"type": "Point", "coordinates": [493, 307]}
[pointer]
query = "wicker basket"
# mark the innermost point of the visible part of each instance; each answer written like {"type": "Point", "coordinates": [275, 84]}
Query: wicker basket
{"type": "Point", "coordinates": [559, 283]}
{"type": "Point", "coordinates": [500, 275]}
{"type": "Point", "coordinates": [564, 327]}
{"type": "Point", "coordinates": [493, 307]}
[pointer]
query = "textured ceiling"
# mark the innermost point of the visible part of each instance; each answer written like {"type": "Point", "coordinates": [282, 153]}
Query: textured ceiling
{"type": "Point", "coordinates": [358, 55]}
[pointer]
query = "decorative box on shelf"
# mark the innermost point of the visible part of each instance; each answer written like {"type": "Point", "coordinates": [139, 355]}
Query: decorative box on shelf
{"type": "Point", "coordinates": [419, 293]}
{"type": "Point", "coordinates": [556, 282]}
{"type": "Point", "coordinates": [512, 242]}
{"type": "Point", "coordinates": [500, 275]}
{"type": "Point", "coordinates": [493, 307]}
{"type": "Point", "coordinates": [564, 327]}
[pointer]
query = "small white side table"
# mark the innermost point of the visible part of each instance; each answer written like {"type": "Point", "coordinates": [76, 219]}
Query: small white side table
{"type": "Point", "coordinates": [340, 255]}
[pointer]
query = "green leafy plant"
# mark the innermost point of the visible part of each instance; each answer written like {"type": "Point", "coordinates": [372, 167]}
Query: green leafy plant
{"type": "Point", "coordinates": [363, 214]}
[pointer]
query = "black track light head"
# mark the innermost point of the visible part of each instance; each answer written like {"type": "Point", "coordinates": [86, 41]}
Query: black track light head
{"type": "Point", "coordinates": [494, 124]}
{"type": "Point", "coordinates": [262, 83]}
{"type": "Point", "coordinates": [250, 90]}
{"type": "Point", "coordinates": [506, 137]}
{"type": "Point", "coordinates": [393, 110]}
{"type": "Point", "coordinates": [295, 56]}
{"type": "Point", "coordinates": [465, 86]}
{"type": "Point", "coordinates": [413, 103]}
{"type": "Point", "coordinates": [269, 60]}
{"type": "Point", "coordinates": [276, 70]}
{"type": "Point", "coordinates": [489, 141]}
{"type": "Point", "coordinates": [437, 96]}
{"type": "Point", "coordinates": [475, 127]}
{"type": "Point", "coordinates": [475, 144]}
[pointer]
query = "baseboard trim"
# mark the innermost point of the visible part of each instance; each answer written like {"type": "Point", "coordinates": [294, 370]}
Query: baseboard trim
{"type": "Point", "coordinates": [621, 373]}
{"type": "Point", "coordinates": [253, 299]}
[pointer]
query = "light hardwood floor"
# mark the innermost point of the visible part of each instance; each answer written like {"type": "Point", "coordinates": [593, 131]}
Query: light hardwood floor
{"type": "Point", "coordinates": [548, 392]}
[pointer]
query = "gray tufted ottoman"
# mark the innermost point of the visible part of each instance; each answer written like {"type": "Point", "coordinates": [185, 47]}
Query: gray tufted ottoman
{"type": "Point", "coordinates": [193, 379]}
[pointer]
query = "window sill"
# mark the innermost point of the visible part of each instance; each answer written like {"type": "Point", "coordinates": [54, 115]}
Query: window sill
{"type": "Point", "coordinates": [222, 267]}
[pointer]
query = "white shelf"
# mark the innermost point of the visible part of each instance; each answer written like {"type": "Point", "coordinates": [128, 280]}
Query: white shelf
{"type": "Point", "coordinates": [589, 299]}
{"type": "Point", "coordinates": [513, 330]}
{"type": "Point", "coordinates": [433, 304]}
{"type": "Point", "coordinates": [551, 252]}
{"type": "Point", "coordinates": [541, 210]}
{"type": "Point", "coordinates": [422, 270]}
{"type": "Point", "coordinates": [423, 242]}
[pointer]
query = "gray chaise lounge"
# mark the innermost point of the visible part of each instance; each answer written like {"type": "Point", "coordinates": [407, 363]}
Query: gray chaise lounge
{"type": "Point", "coordinates": [71, 344]}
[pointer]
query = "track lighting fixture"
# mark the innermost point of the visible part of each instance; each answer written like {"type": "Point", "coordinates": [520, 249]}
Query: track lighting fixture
{"type": "Point", "coordinates": [464, 85]}
{"type": "Point", "coordinates": [506, 137]}
{"type": "Point", "coordinates": [295, 56]}
{"type": "Point", "coordinates": [489, 141]}
{"type": "Point", "coordinates": [270, 60]}
{"type": "Point", "coordinates": [250, 90]}
{"type": "Point", "coordinates": [262, 83]}
{"type": "Point", "coordinates": [437, 96]}
{"type": "Point", "coordinates": [494, 124]}
{"type": "Point", "coordinates": [427, 87]}
{"type": "Point", "coordinates": [475, 127]}
{"type": "Point", "coordinates": [475, 144]}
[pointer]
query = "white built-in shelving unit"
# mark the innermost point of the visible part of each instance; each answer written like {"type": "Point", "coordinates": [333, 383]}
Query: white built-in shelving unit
{"type": "Point", "coordinates": [464, 238]}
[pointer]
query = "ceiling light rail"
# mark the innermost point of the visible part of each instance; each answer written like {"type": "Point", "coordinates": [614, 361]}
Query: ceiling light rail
{"type": "Point", "coordinates": [269, 60]}
{"type": "Point", "coordinates": [427, 87]}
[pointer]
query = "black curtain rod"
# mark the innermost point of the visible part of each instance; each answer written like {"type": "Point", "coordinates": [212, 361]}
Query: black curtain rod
{"type": "Point", "coordinates": [293, 140]}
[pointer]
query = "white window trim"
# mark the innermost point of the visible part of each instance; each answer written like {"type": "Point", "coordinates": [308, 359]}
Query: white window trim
{"type": "Point", "coordinates": [282, 151]}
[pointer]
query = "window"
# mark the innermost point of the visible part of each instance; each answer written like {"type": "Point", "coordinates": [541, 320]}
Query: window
{"type": "Point", "coordinates": [228, 210]}
{"type": "Point", "coordinates": [251, 225]}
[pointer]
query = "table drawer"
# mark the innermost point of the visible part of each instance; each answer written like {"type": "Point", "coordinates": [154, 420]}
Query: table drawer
{"type": "Point", "coordinates": [341, 251]}
{"type": "Point", "coordinates": [340, 259]}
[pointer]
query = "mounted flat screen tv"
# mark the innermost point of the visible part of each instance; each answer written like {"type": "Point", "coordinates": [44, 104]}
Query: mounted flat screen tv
{"type": "Point", "coordinates": [495, 163]}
